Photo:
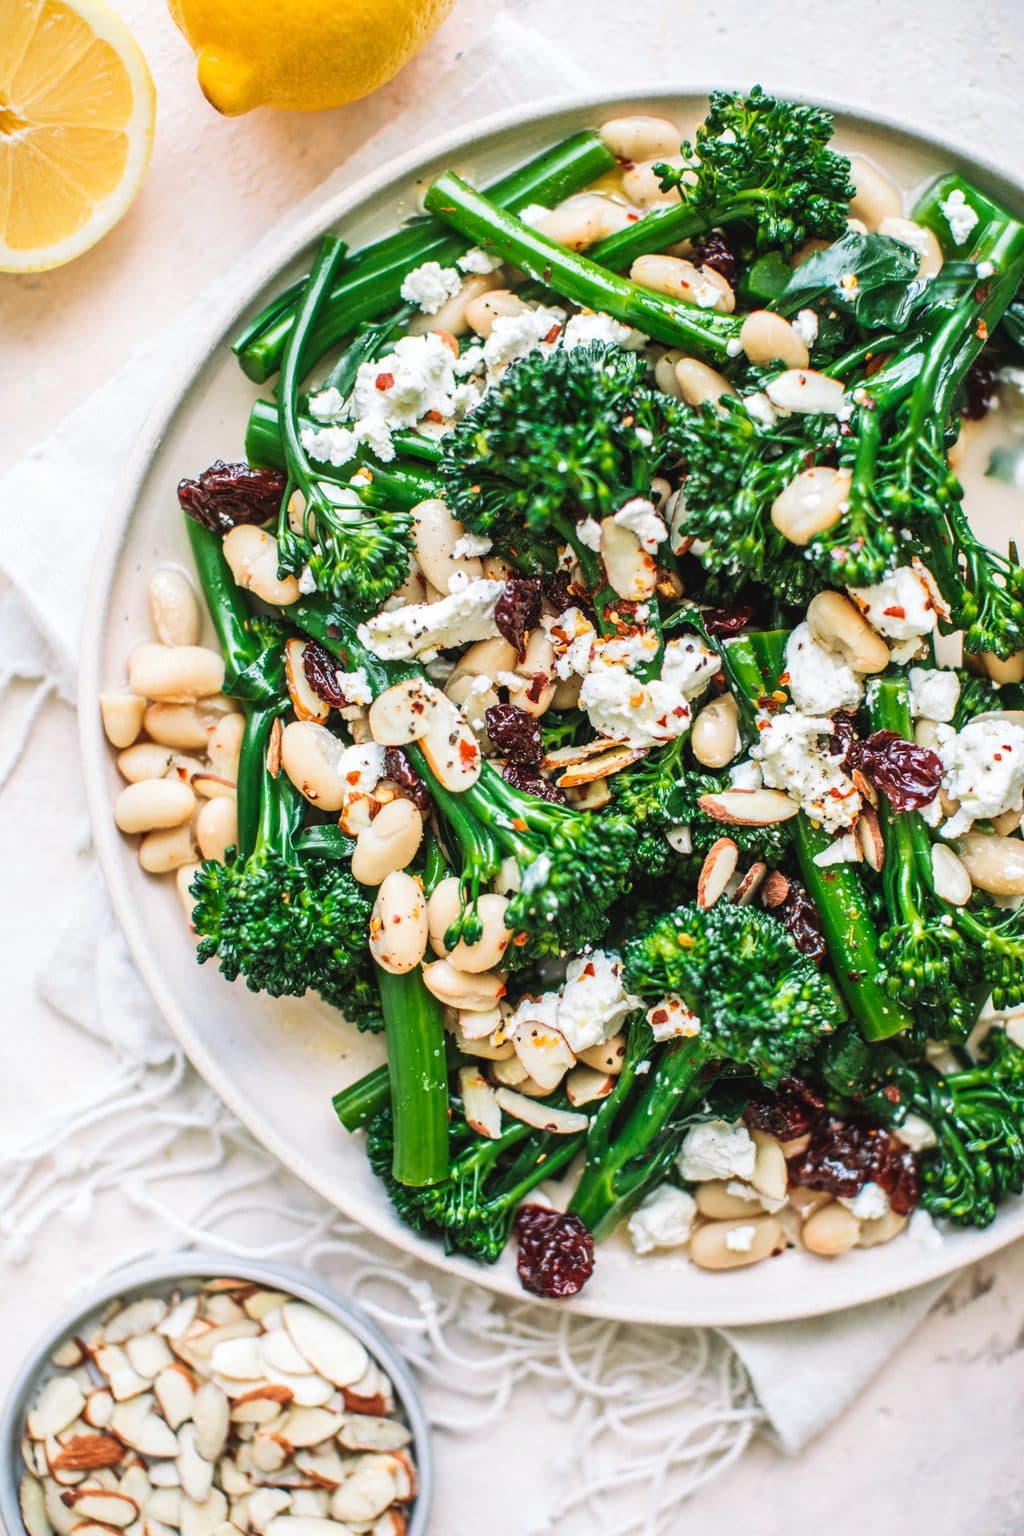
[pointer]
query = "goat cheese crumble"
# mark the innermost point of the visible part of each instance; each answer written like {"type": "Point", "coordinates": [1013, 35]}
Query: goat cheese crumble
{"type": "Point", "coordinates": [663, 1219]}
{"type": "Point", "coordinates": [717, 1150]}
{"type": "Point", "coordinates": [741, 1239]}
{"type": "Point", "coordinates": [641, 517]}
{"type": "Point", "coordinates": [622, 707]}
{"type": "Point", "coordinates": [792, 750]}
{"type": "Point", "coordinates": [671, 1019]}
{"type": "Point", "coordinates": [805, 323]}
{"type": "Point", "coordinates": [422, 629]}
{"type": "Point", "coordinates": [418, 379]}
{"type": "Point", "coordinates": [591, 325]}
{"type": "Point", "coordinates": [899, 607]}
{"type": "Point", "coordinates": [983, 769]}
{"type": "Point", "coordinates": [477, 260]}
{"type": "Point", "coordinates": [915, 1133]}
{"type": "Point", "coordinates": [921, 1229]}
{"type": "Point", "coordinates": [588, 1009]}
{"type": "Point", "coordinates": [470, 546]}
{"type": "Point", "coordinates": [430, 286]}
{"type": "Point", "coordinates": [868, 1204]}
{"type": "Point", "coordinates": [820, 681]}
{"type": "Point", "coordinates": [515, 336]}
{"type": "Point", "coordinates": [934, 694]}
{"type": "Point", "coordinates": [959, 215]}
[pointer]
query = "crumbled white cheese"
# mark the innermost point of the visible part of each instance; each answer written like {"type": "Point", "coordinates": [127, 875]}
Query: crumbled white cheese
{"type": "Point", "coordinates": [899, 607]}
{"type": "Point", "coordinates": [915, 1133]}
{"type": "Point", "coordinates": [307, 581]}
{"type": "Point", "coordinates": [820, 681]}
{"type": "Point", "coordinates": [399, 389]}
{"type": "Point", "coordinates": [984, 769]}
{"type": "Point", "coordinates": [680, 839]}
{"type": "Point", "coordinates": [793, 752]}
{"type": "Point", "coordinates": [741, 1239]}
{"type": "Point", "coordinates": [623, 708]}
{"type": "Point", "coordinates": [514, 336]}
{"type": "Point", "coordinates": [591, 1006]}
{"type": "Point", "coordinates": [326, 405]}
{"type": "Point", "coordinates": [934, 694]}
{"type": "Point", "coordinates": [868, 1204]}
{"type": "Point", "coordinates": [671, 1019]}
{"type": "Point", "coordinates": [330, 445]}
{"type": "Point", "coordinates": [752, 1196]}
{"type": "Point", "coordinates": [746, 775]}
{"type": "Point", "coordinates": [470, 546]}
{"type": "Point", "coordinates": [717, 1150]}
{"type": "Point", "coordinates": [805, 323]}
{"type": "Point", "coordinates": [476, 259]}
{"type": "Point", "coordinates": [843, 849]}
{"type": "Point", "coordinates": [641, 517]}
{"type": "Point", "coordinates": [533, 214]}
{"type": "Point", "coordinates": [430, 286]}
{"type": "Point", "coordinates": [588, 531]}
{"type": "Point", "coordinates": [760, 409]}
{"type": "Point", "coordinates": [356, 688]}
{"type": "Point", "coordinates": [418, 629]}
{"type": "Point", "coordinates": [663, 1219]}
{"type": "Point", "coordinates": [589, 325]}
{"type": "Point", "coordinates": [360, 768]}
{"type": "Point", "coordinates": [959, 215]}
{"type": "Point", "coordinates": [922, 1229]}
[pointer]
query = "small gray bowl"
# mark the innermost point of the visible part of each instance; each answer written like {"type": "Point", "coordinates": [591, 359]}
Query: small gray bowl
{"type": "Point", "coordinates": [159, 1276]}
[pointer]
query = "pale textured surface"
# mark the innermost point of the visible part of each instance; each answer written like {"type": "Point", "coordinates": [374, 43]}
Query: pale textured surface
{"type": "Point", "coordinates": [953, 1395]}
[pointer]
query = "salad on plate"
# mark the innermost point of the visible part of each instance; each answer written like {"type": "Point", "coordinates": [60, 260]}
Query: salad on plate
{"type": "Point", "coordinates": [613, 704]}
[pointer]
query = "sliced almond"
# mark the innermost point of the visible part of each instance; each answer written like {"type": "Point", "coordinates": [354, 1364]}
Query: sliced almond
{"type": "Point", "coordinates": [311, 1391]}
{"type": "Point", "coordinates": [406, 711]}
{"type": "Point", "coordinates": [330, 1349]}
{"type": "Point", "coordinates": [479, 1103]}
{"type": "Point", "coordinates": [264, 1504]}
{"type": "Point", "coordinates": [124, 1380]}
{"type": "Point", "coordinates": [67, 1355]}
{"type": "Point", "coordinates": [195, 1472]}
{"type": "Point", "coordinates": [309, 1426]}
{"type": "Point", "coordinates": [601, 767]}
{"type": "Point", "coordinates": [262, 1404]}
{"type": "Point", "coordinates": [306, 702]}
{"type": "Point", "coordinates": [163, 1474]}
{"type": "Point", "coordinates": [210, 1415]}
{"type": "Point", "coordinates": [542, 1117]}
{"type": "Point", "coordinates": [864, 788]}
{"type": "Point", "coordinates": [952, 882]}
{"type": "Point", "coordinates": [32, 1503]}
{"type": "Point", "coordinates": [269, 1453]}
{"type": "Point", "coordinates": [570, 757]}
{"type": "Point", "coordinates": [305, 1525]}
{"type": "Point", "coordinates": [164, 1504]}
{"type": "Point", "coordinates": [141, 1316]}
{"type": "Point", "coordinates": [135, 1484]}
{"type": "Point", "coordinates": [85, 1453]}
{"type": "Point", "coordinates": [310, 1501]}
{"type": "Point", "coordinates": [138, 1426]}
{"type": "Point", "coordinates": [869, 837]}
{"type": "Point", "coordinates": [33, 1455]}
{"type": "Point", "coordinates": [105, 1508]}
{"type": "Point", "coordinates": [510, 1072]}
{"type": "Point", "coordinates": [630, 570]}
{"type": "Point", "coordinates": [404, 1473]}
{"type": "Point", "coordinates": [202, 1519]}
{"type": "Point", "coordinates": [231, 1478]}
{"type": "Point", "coordinates": [174, 1389]}
{"type": "Point", "coordinates": [148, 1355]}
{"type": "Point", "coordinates": [62, 1519]}
{"type": "Point", "coordinates": [99, 1405]}
{"type": "Point", "coordinates": [179, 1319]}
{"type": "Point", "coordinates": [451, 750]}
{"type": "Point", "coordinates": [749, 807]}
{"type": "Point", "coordinates": [774, 890]}
{"type": "Point", "coordinates": [59, 1404]}
{"type": "Point", "coordinates": [67, 1477]}
{"type": "Point", "coordinates": [391, 1523]}
{"type": "Point", "coordinates": [606, 1057]}
{"type": "Point", "coordinates": [197, 1344]}
{"type": "Point", "coordinates": [324, 1466]}
{"type": "Point", "coordinates": [280, 1353]}
{"type": "Point", "coordinates": [543, 1051]}
{"type": "Point", "coordinates": [239, 1359]}
{"type": "Point", "coordinates": [750, 884]}
{"type": "Point", "coordinates": [258, 1303]}
{"type": "Point", "coordinates": [585, 1085]}
{"type": "Point", "coordinates": [479, 1026]}
{"type": "Point", "coordinates": [363, 1496]}
{"type": "Point", "coordinates": [717, 870]}
{"type": "Point", "coordinates": [367, 1432]}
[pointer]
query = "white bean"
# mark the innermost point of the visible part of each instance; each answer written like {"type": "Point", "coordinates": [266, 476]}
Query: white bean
{"type": "Point", "coordinates": [680, 279]}
{"type": "Point", "coordinates": [1009, 669]}
{"type": "Point", "coordinates": [251, 554]}
{"type": "Point", "coordinates": [995, 864]}
{"type": "Point", "coordinates": [184, 875]}
{"type": "Point", "coordinates": [876, 197]}
{"type": "Point", "coordinates": [714, 1199]}
{"type": "Point", "coordinates": [538, 661]}
{"type": "Point", "coordinates": [630, 570]}
{"type": "Point", "coordinates": [121, 714]}
{"type": "Point", "coordinates": [163, 851]}
{"type": "Point", "coordinates": [152, 804]}
{"type": "Point", "coordinates": [496, 568]}
{"type": "Point", "coordinates": [840, 625]}
{"type": "Point", "coordinates": [217, 828]}
{"type": "Point", "coordinates": [881, 1229]}
{"type": "Point", "coordinates": [584, 219]}
{"type": "Point", "coordinates": [487, 951]}
{"type": "Point", "coordinates": [435, 535]}
{"type": "Point", "coordinates": [485, 658]}
{"type": "Point", "coordinates": [715, 738]}
{"type": "Point", "coordinates": [467, 694]}
{"type": "Point", "coordinates": [770, 1177]}
{"type": "Point", "coordinates": [699, 384]}
{"type": "Point", "coordinates": [952, 882]}
{"type": "Point", "coordinates": [145, 760]}
{"type": "Point", "coordinates": [453, 316]}
{"type": "Point", "coordinates": [443, 908]}
{"type": "Point", "coordinates": [225, 745]}
{"type": "Point", "coordinates": [642, 184]}
{"type": "Point", "coordinates": [928, 249]}
{"type": "Point", "coordinates": [640, 137]}
{"type": "Point", "coordinates": [497, 304]}
{"type": "Point", "coordinates": [813, 501]}
{"type": "Point", "coordinates": [175, 674]}
{"type": "Point", "coordinates": [173, 607]}
{"type": "Point", "coordinates": [388, 843]}
{"type": "Point", "coordinates": [311, 757]}
{"type": "Point", "coordinates": [476, 992]}
{"type": "Point", "coordinates": [398, 923]}
{"type": "Point", "coordinates": [709, 1247]}
{"type": "Point", "coordinates": [185, 727]}
{"type": "Point", "coordinates": [767, 338]}
{"type": "Point", "coordinates": [806, 392]}
{"type": "Point", "coordinates": [831, 1230]}
{"type": "Point", "coordinates": [665, 372]}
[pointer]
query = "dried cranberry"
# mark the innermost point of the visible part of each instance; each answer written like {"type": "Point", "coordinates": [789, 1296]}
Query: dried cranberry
{"type": "Point", "coordinates": [842, 1156]}
{"type": "Point", "coordinates": [514, 733]}
{"type": "Point", "coordinates": [980, 388]}
{"type": "Point", "coordinates": [525, 776]}
{"type": "Point", "coordinates": [728, 621]}
{"type": "Point", "coordinates": [228, 494]}
{"type": "Point", "coordinates": [901, 1180]}
{"type": "Point", "coordinates": [518, 610]}
{"type": "Point", "coordinates": [322, 671]}
{"type": "Point", "coordinates": [844, 734]}
{"type": "Point", "coordinates": [908, 775]}
{"type": "Point", "coordinates": [556, 1252]}
{"type": "Point", "coordinates": [802, 921]}
{"type": "Point", "coordinates": [562, 593]}
{"type": "Point", "coordinates": [714, 251]}
{"type": "Point", "coordinates": [398, 767]}
{"type": "Point", "coordinates": [789, 1111]}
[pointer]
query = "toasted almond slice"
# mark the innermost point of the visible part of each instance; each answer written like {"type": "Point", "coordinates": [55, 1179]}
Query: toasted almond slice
{"type": "Point", "coordinates": [305, 1525]}
{"type": "Point", "coordinates": [366, 1432]}
{"type": "Point", "coordinates": [67, 1355]}
{"type": "Point", "coordinates": [480, 1105]}
{"type": "Point", "coordinates": [309, 1426]}
{"type": "Point", "coordinates": [405, 1475]}
{"type": "Point", "coordinates": [164, 1504]}
{"type": "Point", "coordinates": [32, 1503]}
{"type": "Point", "coordinates": [749, 807]}
{"type": "Point", "coordinates": [86, 1453]}
{"type": "Point", "coordinates": [869, 837]}
{"type": "Point", "coordinates": [479, 1026]}
{"type": "Point", "coordinates": [324, 1466]}
{"type": "Point", "coordinates": [99, 1405]}
{"type": "Point", "coordinates": [59, 1404]}
{"type": "Point", "coordinates": [451, 750]}
{"type": "Point", "coordinates": [280, 1354]}
{"type": "Point", "coordinates": [306, 702]}
{"type": "Point", "coordinates": [585, 1085]}
{"type": "Point", "coordinates": [750, 884]}
{"type": "Point", "coordinates": [544, 1052]}
{"type": "Point", "coordinates": [601, 767]}
{"type": "Point", "coordinates": [239, 1359]}
{"type": "Point", "coordinates": [717, 870]}
{"type": "Point", "coordinates": [864, 788]}
{"type": "Point", "coordinates": [511, 1073]}
{"type": "Point", "coordinates": [264, 1504]}
{"type": "Point", "coordinates": [135, 1484]}
{"type": "Point", "coordinates": [62, 1519]}
{"type": "Point", "coordinates": [606, 1057]}
{"type": "Point", "coordinates": [405, 712]}
{"type": "Point", "coordinates": [180, 1318]}
{"type": "Point", "coordinates": [330, 1349]}
{"type": "Point", "coordinates": [259, 1303]}
{"type": "Point", "coordinates": [569, 757]}
{"type": "Point", "coordinates": [148, 1354]}
{"type": "Point", "coordinates": [210, 1415]}
{"type": "Point", "coordinates": [141, 1316]}
{"type": "Point", "coordinates": [774, 890]}
{"type": "Point", "coordinates": [363, 1496]}
{"type": "Point", "coordinates": [105, 1508]}
{"type": "Point", "coordinates": [202, 1519]}
{"type": "Point", "coordinates": [174, 1390]}
{"type": "Point", "coordinates": [262, 1404]}
{"type": "Point", "coordinates": [136, 1425]}
{"type": "Point", "coordinates": [541, 1116]}
{"type": "Point", "coordinates": [196, 1474]}
{"type": "Point", "coordinates": [591, 797]}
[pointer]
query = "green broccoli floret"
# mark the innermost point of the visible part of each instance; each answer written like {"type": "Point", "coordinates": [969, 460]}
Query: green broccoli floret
{"type": "Point", "coordinates": [472, 1210]}
{"type": "Point", "coordinates": [762, 1008]}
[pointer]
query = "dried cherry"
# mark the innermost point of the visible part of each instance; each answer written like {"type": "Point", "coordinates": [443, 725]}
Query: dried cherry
{"type": "Point", "coordinates": [556, 1252]}
{"type": "Point", "coordinates": [228, 494]}
{"type": "Point", "coordinates": [908, 775]}
{"type": "Point", "coordinates": [802, 921]}
{"type": "Point", "coordinates": [714, 251]}
{"type": "Point", "coordinates": [728, 621]}
{"type": "Point", "coordinates": [526, 777]}
{"type": "Point", "coordinates": [980, 388]}
{"type": "Point", "coordinates": [322, 672]}
{"type": "Point", "coordinates": [518, 610]}
{"type": "Point", "coordinates": [398, 768]}
{"type": "Point", "coordinates": [788, 1111]}
{"type": "Point", "coordinates": [515, 734]}
{"type": "Point", "coordinates": [842, 1156]}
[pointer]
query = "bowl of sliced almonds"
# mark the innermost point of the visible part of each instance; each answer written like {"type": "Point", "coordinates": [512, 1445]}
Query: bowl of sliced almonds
{"type": "Point", "coordinates": [195, 1396]}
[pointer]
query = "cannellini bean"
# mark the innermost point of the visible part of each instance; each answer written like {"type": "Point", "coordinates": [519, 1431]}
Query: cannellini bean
{"type": "Point", "coordinates": [497, 304]}
{"type": "Point", "coordinates": [584, 219]}
{"type": "Point", "coordinates": [680, 279]}
{"type": "Point", "coordinates": [175, 674]}
{"type": "Point", "coordinates": [699, 384]}
{"type": "Point", "coordinates": [121, 714]}
{"type": "Point", "coordinates": [804, 1201]}
{"type": "Point", "coordinates": [715, 1200]}
{"type": "Point", "coordinates": [163, 851]}
{"type": "Point", "coordinates": [881, 1229]}
{"type": "Point", "coordinates": [952, 882]}
{"type": "Point", "coordinates": [186, 727]}
{"type": "Point", "coordinates": [642, 184]}
{"type": "Point", "coordinates": [453, 316]}
{"type": "Point", "coordinates": [639, 137]}
{"type": "Point", "coordinates": [876, 197]}
{"type": "Point", "coordinates": [831, 1230]}
{"type": "Point", "coordinates": [152, 804]}
{"type": "Point", "coordinates": [630, 570]}
{"type": "Point", "coordinates": [311, 757]}
{"type": "Point", "coordinates": [403, 712]}
{"type": "Point", "coordinates": [452, 751]}
{"type": "Point", "coordinates": [709, 1245]}
{"type": "Point", "coordinates": [715, 738]}
{"type": "Point", "coordinates": [606, 1057]}
{"type": "Point", "coordinates": [443, 908]}
{"type": "Point", "coordinates": [476, 992]}
{"type": "Point", "coordinates": [1008, 822]}
{"type": "Point", "coordinates": [173, 607]}
{"type": "Point", "coordinates": [766, 338]}
{"type": "Point", "coordinates": [813, 501]}
{"type": "Point", "coordinates": [840, 625]}
{"type": "Point", "coordinates": [398, 923]}
{"type": "Point", "coordinates": [183, 877]}
{"type": "Point", "coordinates": [770, 1177]}
{"type": "Point", "coordinates": [496, 568]}
{"type": "Point", "coordinates": [145, 760]}
{"type": "Point", "coordinates": [486, 953]}
{"type": "Point", "coordinates": [995, 864]}
{"type": "Point", "coordinates": [920, 239]}
{"type": "Point", "coordinates": [567, 693]}
{"type": "Point", "coordinates": [435, 535]}
{"type": "Point", "coordinates": [251, 553]}
{"type": "Point", "coordinates": [1004, 670]}
{"type": "Point", "coordinates": [665, 372]}
{"type": "Point", "coordinates": [807, 392]}
{"type": "Point", "coordinates": [538, 661]}
{"type": "Point", "coordinates": [217, 828]}
{"type": "Point", "coordinates": [485, 658]}
{"type": "Point", "coordinates": [467, 694]}
{"type": "Point", "coordinates": [389, 842]}
{"type": "Point", "coordinates": [225, 745]}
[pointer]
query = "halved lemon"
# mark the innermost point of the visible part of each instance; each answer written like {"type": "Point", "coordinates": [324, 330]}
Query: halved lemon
{"type": "Point", "coordinates": [76, 128]}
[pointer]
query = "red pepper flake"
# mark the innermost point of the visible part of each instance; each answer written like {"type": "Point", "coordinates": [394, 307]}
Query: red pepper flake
{"type": "Point", "coordinates": [385, 381]}
{"type": "Point", "coordinates": [895, 612]}
{"type": "Point", "coordinates": [553, 335]}
{"type": "Point", "coordinates": [468, 753]}
{"type": "Point", "coordinates": [434, 416]}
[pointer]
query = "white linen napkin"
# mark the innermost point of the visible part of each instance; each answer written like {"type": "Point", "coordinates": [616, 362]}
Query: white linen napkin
{"type": "Point", "coordinates": [688, 1409]}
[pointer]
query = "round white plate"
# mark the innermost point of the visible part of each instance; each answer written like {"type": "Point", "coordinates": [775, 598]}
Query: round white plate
{"type": "Point", "coordinates": [277, 1063]}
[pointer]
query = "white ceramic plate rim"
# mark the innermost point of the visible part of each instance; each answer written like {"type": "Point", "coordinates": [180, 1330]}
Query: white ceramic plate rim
{"type": "Point", "coordinates": [836, 1291]}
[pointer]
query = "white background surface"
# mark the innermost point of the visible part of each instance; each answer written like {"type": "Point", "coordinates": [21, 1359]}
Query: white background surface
{"type": "Point", "coordinates": [933, 1445]}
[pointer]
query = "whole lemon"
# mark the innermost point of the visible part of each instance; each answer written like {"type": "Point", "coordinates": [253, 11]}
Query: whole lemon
{"type": "Point", "coordinates": [303, 55]}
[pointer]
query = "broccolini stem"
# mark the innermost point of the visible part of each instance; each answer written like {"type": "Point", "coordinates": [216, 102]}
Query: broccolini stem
{"type": "Point", "coordinates": [356, 1105]}
{"type": "Point", "coordinates": [295, 360]}
{"type": "Point", "coordinates": [418, 1075]}
{"type": "Point", "coordinates": [703, 332]}
{"type": "Point", "coordinates": [224, 601]}
{"type": "Point", "coordinates": [668, 225]}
